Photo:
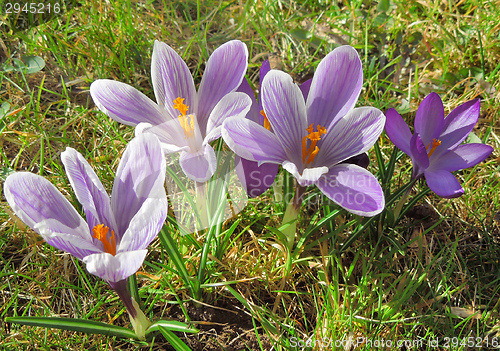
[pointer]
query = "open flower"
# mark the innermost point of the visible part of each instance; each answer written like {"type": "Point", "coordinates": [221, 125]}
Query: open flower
{"type": "Point", "coordinates": [184, 120]}
{"type": "Point", "coordinates": [312, 137]}
{"type": "Point", "coordinates": [255, 178]}
{"type": "Point", "coordinates": [435, 145]}
{"type": "Point", "coordinates": [113, 240]}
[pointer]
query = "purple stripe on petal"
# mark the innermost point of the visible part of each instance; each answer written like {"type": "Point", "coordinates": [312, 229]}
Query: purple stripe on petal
{"type": "Point", "coordinates": [125, 104]}
{"type": "Point", "coordinates": [264, 70]}
{"type": "Point", "coordinates": [286, 111]}
{"type": "Point", "coordinates": [232, 105]}
{"type": "Point", "coordinates": [397, 130]}
{"type": "Point", "coordinates": [140, 176]}
{"type": "Point", "coordinates": [145, 225]}
{"type": "Point", "coordinates": [115, 268]}
{"type": "Point", "coordinates": [352, 135]}
{"type": "Point", "coordinates": [44, 209]}
{"type": "Point", "coordinates": [73, 244]}
{"type": "Point", "coordinates": [254, 178]}
{"type": "Point", "coordinates": [464, 156]}
{"type": "Point", "coordinates": [223, 74]}
{"type": "Point", "coordinates": [353, 188]}
{"type": "Point", "coordinates": [419, 152]}
{"type": "Point", "coordinates": [172, 79]}
{"type": "Point", "coordinates": [308, 177]}
{"type": "Point", "coordinates": [335, 86]}
{"type": "Point", "coordinates": [457, 126]}
{"type": "Point", "coordinates": [252, 141]}
{"type": "Point", "coordinates": [430, 118]}
{"type": "Point", "coordinates": [443, 184]}
{"type": "Point", "coordinates": [199, 166]}
{"type": "Point", "coordinates": [88, 190]}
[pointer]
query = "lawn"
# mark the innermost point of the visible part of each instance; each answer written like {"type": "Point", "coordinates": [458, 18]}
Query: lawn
{"type": "Point", "coordinates": [424, 276]}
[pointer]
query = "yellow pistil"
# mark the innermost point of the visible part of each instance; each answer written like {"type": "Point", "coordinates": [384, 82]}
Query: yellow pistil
{"type": "Point", "coordinates": [267, 125]}
{"type": "Point", "coordinates": [435, 143]}
{"type": "Point", "coordinates": [187, 122]}
{"type": "Point", "coordinates": [101, 234]}
{"type": "Point", "coordinates": [308, 154]}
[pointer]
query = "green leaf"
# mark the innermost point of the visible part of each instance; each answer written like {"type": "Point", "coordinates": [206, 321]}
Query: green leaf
{"type": "Point", "coordinates": [5, 172]}
{"type": "Point", "coordinates": [177, 343]}
{"type": "Point", "coordinates": [33, 64]}
{"type": "Point", "coordinates": [171, 325]}
{"type": "Point", "coordinates": [74, 324]}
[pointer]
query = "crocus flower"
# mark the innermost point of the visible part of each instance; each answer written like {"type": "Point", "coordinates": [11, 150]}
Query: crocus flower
{"type": "Point", "coordinates": [114, 238]}
{"type": "Point", "coordinates": [435, 145]}
{"type": "Point", "coordinates": [255, 178]}
{"type": "Point", "coordinates": [183, 119]}
{"type": "Point", "coordinates": [312, 137]}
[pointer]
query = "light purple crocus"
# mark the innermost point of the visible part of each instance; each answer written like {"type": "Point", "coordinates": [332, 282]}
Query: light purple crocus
{"type": "Point", "coordinates": [435, 145]}
{"type": "Point", "coordinates": [312, 137]}
{"type": "Point", "coordinates": [114, 238]}
{"type": "Point", "coordinates": [254, 178]}
{"type": "Point", "coordinates": [184, 120]}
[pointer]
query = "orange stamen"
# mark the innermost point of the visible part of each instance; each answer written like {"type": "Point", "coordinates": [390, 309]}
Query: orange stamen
{"type": "Point", "coordinates": [267, 125]}
{"type": "Point", "coordinates": [435, 143]}
{"type": "Point", "coordinates": [308, 154]}
{"type": "Point", "coordinates": [187, 122]}
{"type": "Point", "coordinates": [100, 233]}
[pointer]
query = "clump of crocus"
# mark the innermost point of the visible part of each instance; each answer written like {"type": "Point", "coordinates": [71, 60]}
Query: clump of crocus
{"type": "Point", "coordinates": [255, 178]}
{"type": "Point", "coordinates": [185, 120]}
{"type": "Point", "coordinates": [312, 137]}
{"type": "Point", "coordinates": [114, 238]}
{"type": "Point", "coordinates": [435, 146]}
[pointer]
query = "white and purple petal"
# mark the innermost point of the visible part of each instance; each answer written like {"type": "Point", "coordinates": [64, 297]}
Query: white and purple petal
{"type": "Point", "coordinates": [352, 135]}
{"type": "Point", "coordinates": [232, 105]}
{"type": "Point", "coordinates": [397, 130]}
{"type": "Point", "coordinates": [308, 176]}
{"type": "Point", "coordinates": [224, 71]}
{"type": "Point", "coordinates": [252, 141]}
{"type": "Point", "coordinates": [115, 268]}
{"type": "Point", "coordinates": [172, 79]}
{"type": "Point", "coordinates": [140, 176]}
{"type": "Point", "coordinates": [285, 109]}
{"type": "Point", "coordinates": [125, 104]}
{"type": "Point", "coordinates": [353, 188]}
{"type": "Point", "coordinates": [199, 166]}
{"type": "Point", "coordinates": [335, 86]}
{"type": "Point", "coordinates": [44, 209]}
{"type": "Point", "coordinates": [88, 190]}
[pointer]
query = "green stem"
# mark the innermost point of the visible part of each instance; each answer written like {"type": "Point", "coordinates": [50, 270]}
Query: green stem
{"type": "Point", "coordinates": [291, 215]}
{"type": "Point", "coordinates": [401, 202]}
{"type": "Point", "coordinates": [201, 206]}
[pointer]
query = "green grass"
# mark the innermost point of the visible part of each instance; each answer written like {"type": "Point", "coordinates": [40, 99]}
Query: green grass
{"type": "Point", "coordinates": [425, 278]}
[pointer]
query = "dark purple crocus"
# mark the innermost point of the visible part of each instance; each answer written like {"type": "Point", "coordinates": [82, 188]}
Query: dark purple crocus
{"type": "Point", "coordinates": [185, 120]}
{"type": "Point", "coordinates": [435, 145]}
{"type": "Point", "coordinates": [312, 137]}
{"type": "Point", "coordinates": [254, 178]}
{"type": "Point", "coordinates": [114, 238]}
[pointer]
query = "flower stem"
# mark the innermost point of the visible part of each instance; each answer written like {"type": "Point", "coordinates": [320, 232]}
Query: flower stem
{"type": "Point", "coordinates": [401, 202]}
{"type": "Point", "coordinates": [201, 206]}
{"type": "Point", "coordinates": [139, 321]}
{"type": "Point", "coordinates": [291, 215]}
